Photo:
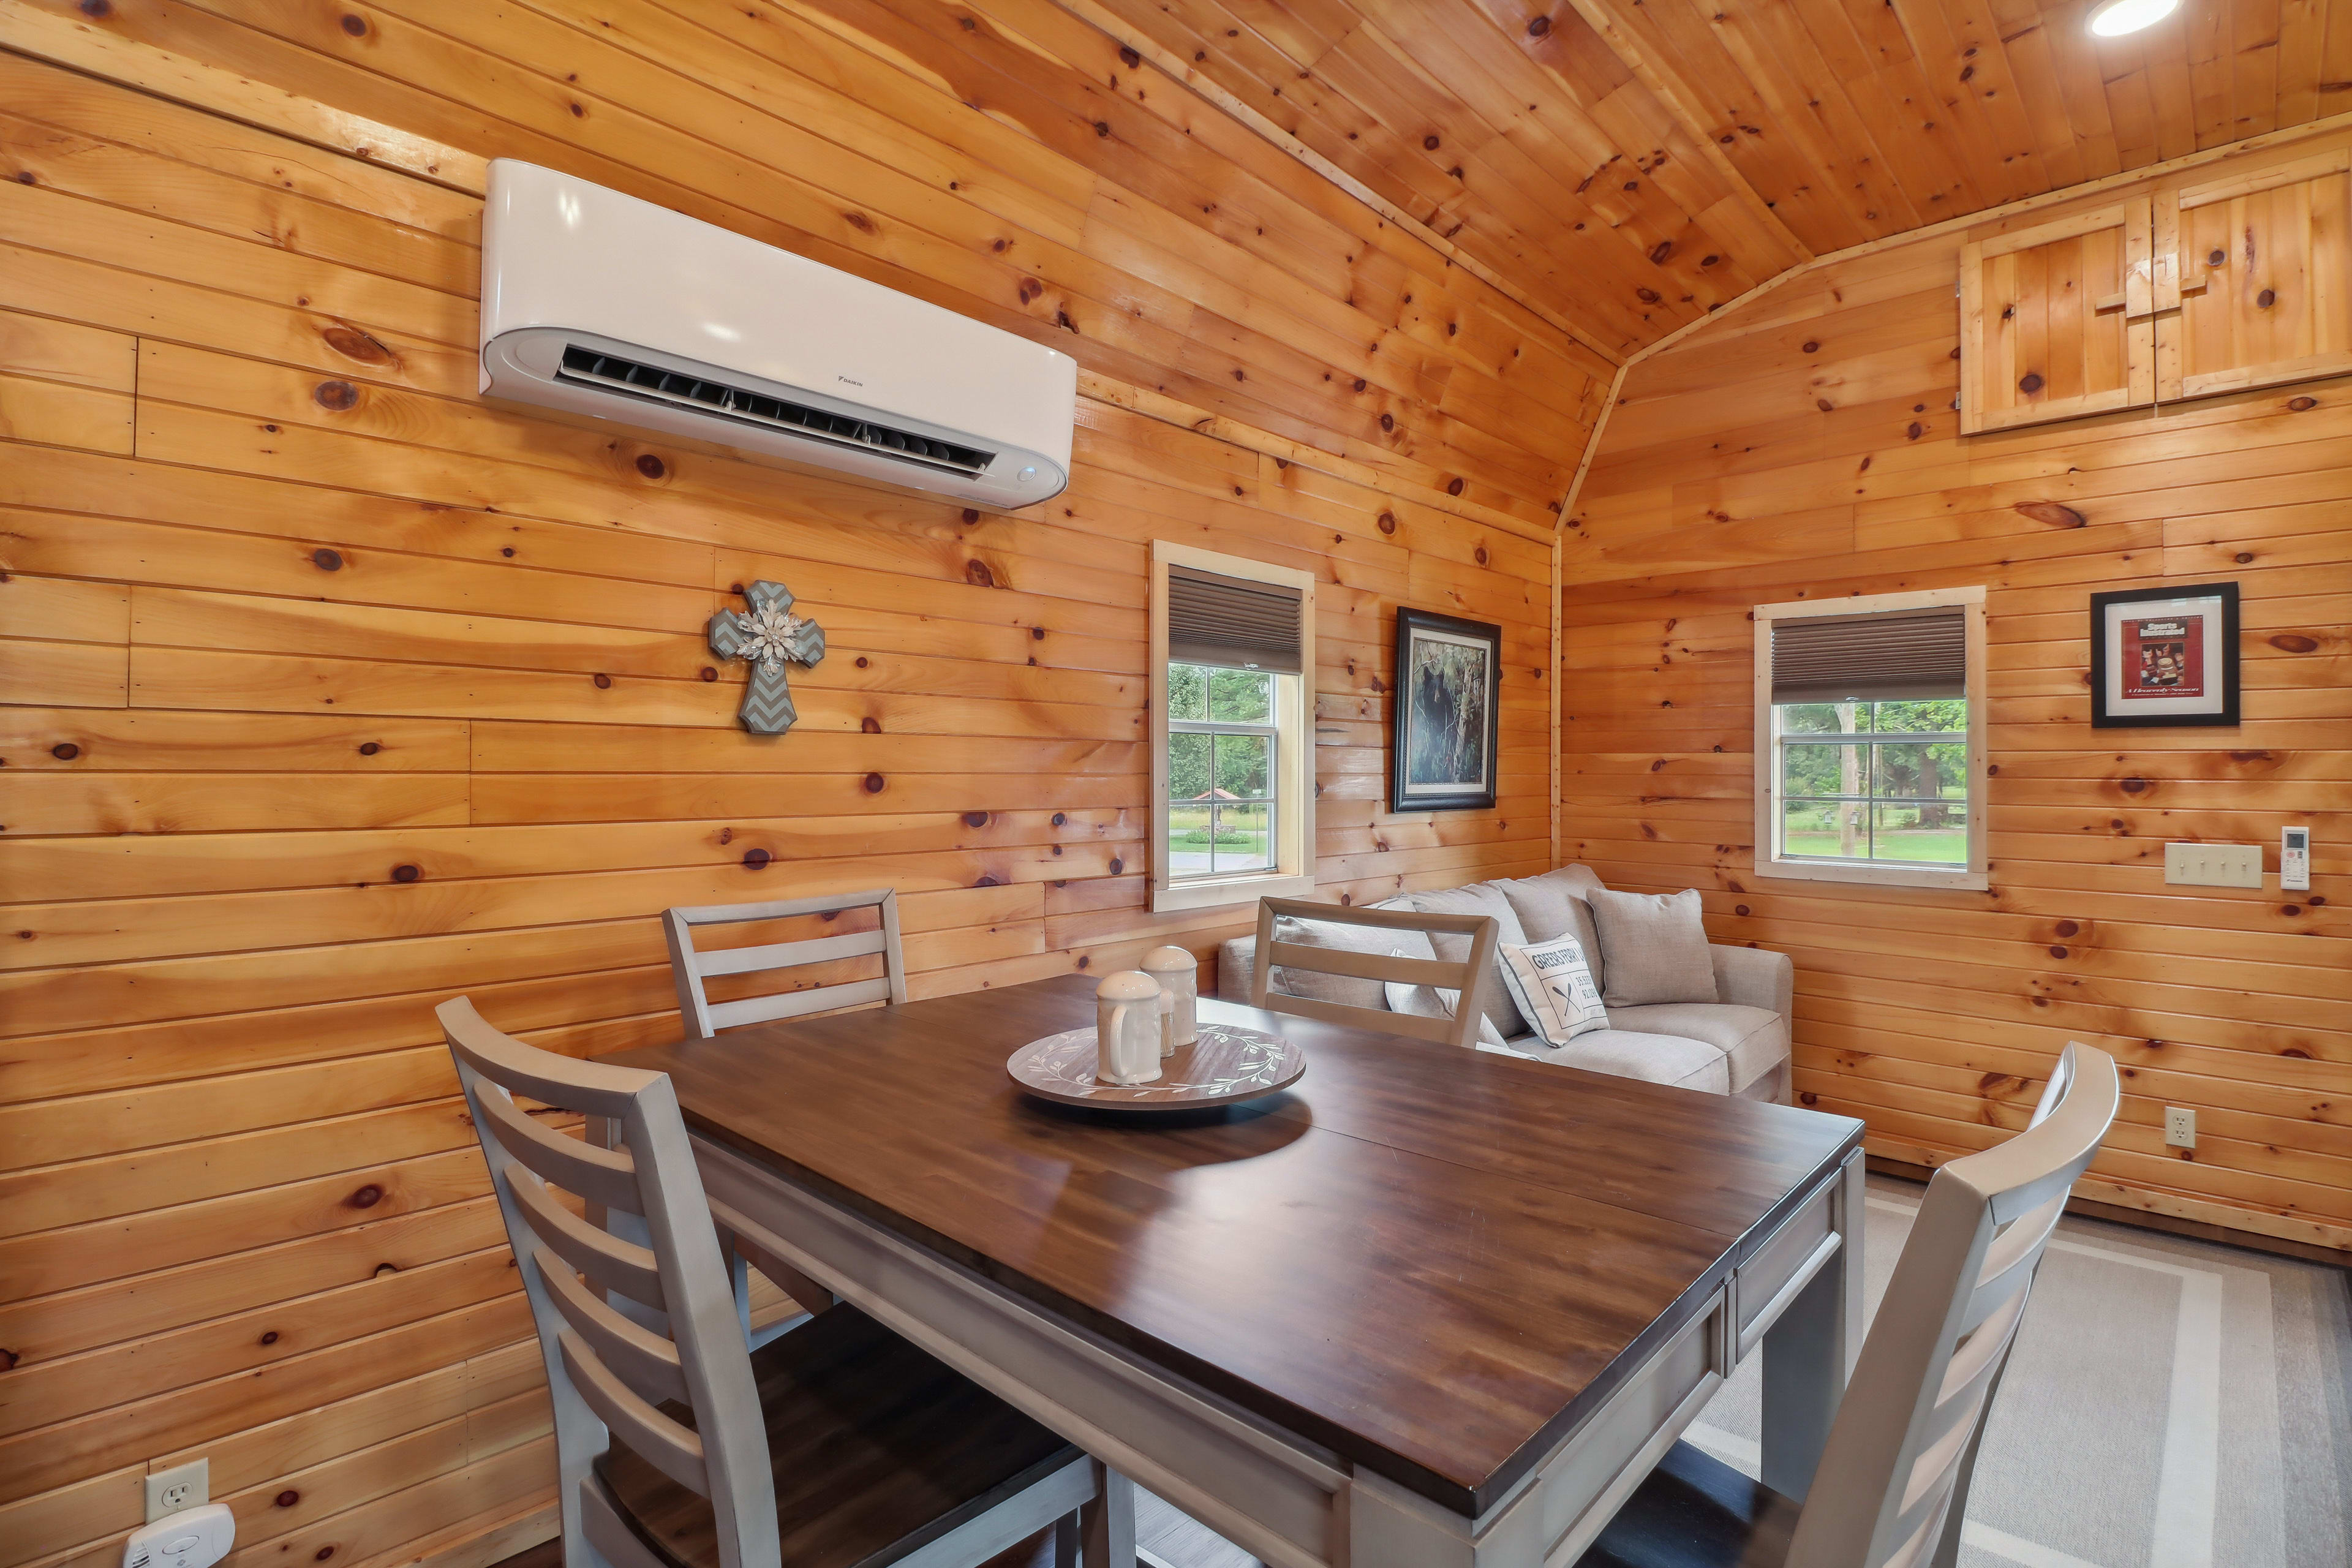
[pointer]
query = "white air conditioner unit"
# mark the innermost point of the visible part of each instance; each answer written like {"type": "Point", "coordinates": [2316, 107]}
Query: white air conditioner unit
{"type": "Point", "coordinates": [601, 304]}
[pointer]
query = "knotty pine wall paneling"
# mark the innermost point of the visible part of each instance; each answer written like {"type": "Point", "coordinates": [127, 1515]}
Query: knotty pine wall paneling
{"type": "Point", "coordinates": [1806, 446]}
{"type": "Point", "coordinates": [332, 692]}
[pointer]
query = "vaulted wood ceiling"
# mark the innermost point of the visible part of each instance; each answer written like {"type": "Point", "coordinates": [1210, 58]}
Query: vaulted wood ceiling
{"type": "Point", "coordinates": [1626, 164]}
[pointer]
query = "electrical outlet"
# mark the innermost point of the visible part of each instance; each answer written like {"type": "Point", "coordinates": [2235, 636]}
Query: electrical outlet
{"type": "Point", "coordinates": [2215, 865]}
{"type": "Point", "coordinates": [2180, 1126]}
{"type": "Point", "coordinates": [180, 1487]}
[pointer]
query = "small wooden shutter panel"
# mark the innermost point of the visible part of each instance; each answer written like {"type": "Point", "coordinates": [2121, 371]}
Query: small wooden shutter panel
{"type": "Point", "coordinates": [2263, 286]}
{"type": "Point", "coordinates": [2058, 320]}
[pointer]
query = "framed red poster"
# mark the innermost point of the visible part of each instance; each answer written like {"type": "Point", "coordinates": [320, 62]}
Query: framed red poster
{"type": "Point", "coordinates": [2165, 657]}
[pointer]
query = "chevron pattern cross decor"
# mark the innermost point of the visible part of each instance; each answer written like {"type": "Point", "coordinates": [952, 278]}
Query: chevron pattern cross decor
{"type": "Point", "coordinates": [767, 637]}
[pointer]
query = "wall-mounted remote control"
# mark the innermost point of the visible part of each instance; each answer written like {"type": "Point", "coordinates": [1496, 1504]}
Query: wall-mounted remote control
{"type": "Point", "coordinates": [2295, 859]}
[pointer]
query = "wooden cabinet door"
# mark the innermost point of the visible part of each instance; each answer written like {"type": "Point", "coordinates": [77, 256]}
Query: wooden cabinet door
{"type": "Point", "coordinates": [2264, 284]}
{"type": "Point", "coordinates": [2058, 320]}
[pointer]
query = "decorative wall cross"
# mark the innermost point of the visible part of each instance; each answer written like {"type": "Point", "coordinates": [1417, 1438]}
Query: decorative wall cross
{"type": "Point", "coordinates": [765, 637]}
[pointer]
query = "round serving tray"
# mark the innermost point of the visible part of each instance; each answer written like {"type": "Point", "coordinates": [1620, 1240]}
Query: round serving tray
{"type": "Point", "coordinates": [1225, 1066]}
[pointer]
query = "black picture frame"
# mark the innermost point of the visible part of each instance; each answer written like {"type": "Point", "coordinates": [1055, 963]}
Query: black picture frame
{"type": "Point", "coordinates": [1421, 637]}
{"type": "Point", "coordinates": [2108, 661]}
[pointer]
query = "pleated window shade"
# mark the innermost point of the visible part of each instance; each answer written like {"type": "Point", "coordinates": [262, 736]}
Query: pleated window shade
{"type": "Point", "coordinates": [1896, 657]}
{"type": "Point", "coordinates": [1231, 621]}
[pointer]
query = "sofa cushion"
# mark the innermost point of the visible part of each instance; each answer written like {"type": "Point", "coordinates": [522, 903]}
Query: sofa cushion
{"type": "Point", "coordinates": [1654, 947]}
{"type": "Point", "coordinates": [1674, 1059]}
{"type": "Point", "coordinates": [1552, 906]}
{"type": "Point", "coordinates": [1478, 899]}
{"type": "Point", "coordinates": [1752, 1039]}
{"type": "Point", "coordinates": [1345, 990]}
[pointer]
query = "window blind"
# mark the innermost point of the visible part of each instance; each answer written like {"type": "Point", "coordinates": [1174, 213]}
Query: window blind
{"type": "Point", "coordinates": [1231, 621]}
{"type": "Point", "coordinates": [1895, 656]}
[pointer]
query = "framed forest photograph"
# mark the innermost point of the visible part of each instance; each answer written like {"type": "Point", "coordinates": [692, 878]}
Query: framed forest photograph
{"type": "Point", "coordinates": [1444, 720]}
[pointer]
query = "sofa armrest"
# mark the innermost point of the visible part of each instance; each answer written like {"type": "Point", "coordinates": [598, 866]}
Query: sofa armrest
{"type": "Point", "coordinates": [1754, 977]}
{"type": "Point", "coordinates": [1235, 960]}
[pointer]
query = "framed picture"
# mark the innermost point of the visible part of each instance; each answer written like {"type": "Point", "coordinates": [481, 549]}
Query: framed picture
{"type": "Point", "coordinates": [1442, 723]}
{"type": "Point", "coordinates": [2165, 657]}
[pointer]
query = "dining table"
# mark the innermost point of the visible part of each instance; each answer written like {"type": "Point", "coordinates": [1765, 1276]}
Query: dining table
{"type": "Point", "coordinates": [1426, 1306]}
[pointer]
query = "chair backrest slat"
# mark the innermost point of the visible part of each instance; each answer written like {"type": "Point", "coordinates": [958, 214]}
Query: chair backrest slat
{"type": "Point", "coordinates": [1439, 1031]}
{"type": "Point", "coordinates": [1459, 976]}
{"type": "Point", "coordinates": [785, 955]}
{"type": "Point", "coordinates": [1893, 1480]}
{"type": "Point", "coordinates": [690, 967]}
{"type": "Point", "coordinates": [640, 1358]}
{"type": "Point", "coordinates": [600, 1175]}
{"type": "Point", "coordinates": [614, 1264]}
{"type": "Point", "coordinates": [608, 1371]}
{"type": "Point", "coordinates": [795, 1003]}
{"type": "Point", "coordinates": [674, 1451]}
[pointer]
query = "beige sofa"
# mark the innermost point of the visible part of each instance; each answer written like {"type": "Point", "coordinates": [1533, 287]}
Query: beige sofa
{"type": "Point", "coordinates": [1738, 1044]}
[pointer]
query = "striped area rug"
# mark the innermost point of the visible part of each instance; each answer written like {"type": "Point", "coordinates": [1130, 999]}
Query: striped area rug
{"type": "Point", "coordinates": [2170, 1403]}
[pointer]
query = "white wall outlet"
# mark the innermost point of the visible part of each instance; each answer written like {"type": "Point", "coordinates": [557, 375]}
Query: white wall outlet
{"type": "Point", "coordinates": [2215, 865]}
{"type": "Point", "coordinates": [182, 1486]}
{"type": "Point", "coordinates": [2295, 859]}
{"type": "Point", "coordinates": [2180, 1126]}
{"type": "Point", "coordinates": [192, 1538]}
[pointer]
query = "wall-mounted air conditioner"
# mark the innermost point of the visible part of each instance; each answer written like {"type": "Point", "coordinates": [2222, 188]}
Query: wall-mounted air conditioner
{"type": "Point", "coordinates": [602, 304]}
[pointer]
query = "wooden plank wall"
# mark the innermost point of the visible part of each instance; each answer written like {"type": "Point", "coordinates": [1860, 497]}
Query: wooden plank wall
{"type": "Point", "coordinates": [337, 692]}
{"type": "Point", "coordinates": [1805, 444]}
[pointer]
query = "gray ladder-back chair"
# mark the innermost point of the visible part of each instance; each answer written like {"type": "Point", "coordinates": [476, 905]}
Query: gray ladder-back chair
{"type": "Point", "coordinates": [691, 968]}
{"type": "Point", "coordinates": [1893, 1484]}
{"type": "Point", "coordinates": [839, 1446]}
{"type": "Point", "coordinates": [1459, 976]}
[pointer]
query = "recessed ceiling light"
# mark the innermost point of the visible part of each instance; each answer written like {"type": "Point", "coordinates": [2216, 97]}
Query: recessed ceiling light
{"type": "Point", "coordinates": [2120, 16]}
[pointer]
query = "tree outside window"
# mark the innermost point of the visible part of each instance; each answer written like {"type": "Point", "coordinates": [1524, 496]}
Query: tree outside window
{"type": "Point", "coordinates": [1221, 770]}
{"type": "Point", "coordinates": [1882, 782]}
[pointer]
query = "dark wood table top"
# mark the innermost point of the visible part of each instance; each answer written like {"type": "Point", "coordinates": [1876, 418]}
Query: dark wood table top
{"type": "Point", "coordinates": [1433, 1262]}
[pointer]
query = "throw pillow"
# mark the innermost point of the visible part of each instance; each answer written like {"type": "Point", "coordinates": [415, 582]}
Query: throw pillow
{"type": "Point", "coordinates": [1654, 947]}
{"type": "Point", "coordinates": [1552, 905]}
{"type": "Point", "coordinates": [1550, 981]}
{"type": "Point", "coordinates": [1494, 998]}
{"type": "Point", "coordinates": [1430, 1002]}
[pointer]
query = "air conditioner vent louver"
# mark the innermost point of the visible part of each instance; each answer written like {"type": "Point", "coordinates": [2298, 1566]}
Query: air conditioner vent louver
{"type": "Point", "coordinates": [628, 378]}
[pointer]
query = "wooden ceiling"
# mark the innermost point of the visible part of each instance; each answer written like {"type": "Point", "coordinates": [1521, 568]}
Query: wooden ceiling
{"type": "Point", "coordinates": [1627, 164]}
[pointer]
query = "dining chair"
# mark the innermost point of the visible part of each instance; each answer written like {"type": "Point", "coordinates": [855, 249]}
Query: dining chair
{"type": "Point", "coordinates": [677, 1446]}
{"type": "Point", "coordinates": [1459, 976]}
{"type": "Point", "coordinates": [1892, 1483]}
{"type": "Point", "coordinates": [689, 968]}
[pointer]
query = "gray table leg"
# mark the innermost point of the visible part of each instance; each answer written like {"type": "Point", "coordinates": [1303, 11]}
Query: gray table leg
{"type": "Point", "coordinates": [1810, 1351]}
{"type": "Point", "coordinates": [1107, 1523]}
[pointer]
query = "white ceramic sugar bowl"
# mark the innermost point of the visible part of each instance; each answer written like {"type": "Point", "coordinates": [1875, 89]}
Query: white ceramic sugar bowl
{"type": "Point", "coordinates": [1127, 1028]}
{"type": "Point", "coordinates": [1179, 976]}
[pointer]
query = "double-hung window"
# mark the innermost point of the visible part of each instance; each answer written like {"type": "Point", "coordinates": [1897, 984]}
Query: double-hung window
{"type": "Point", "coordinates": [1232, 655]}
{"type": "Point", "coordinates": [1869, 739]}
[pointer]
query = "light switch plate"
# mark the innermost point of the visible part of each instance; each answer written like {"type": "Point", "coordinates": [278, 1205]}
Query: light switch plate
{"type": "Point", "coordinates": [2215, 865]}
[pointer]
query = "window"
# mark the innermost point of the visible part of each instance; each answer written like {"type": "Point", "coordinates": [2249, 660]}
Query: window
{"type": "Point", "coordinates": [1233, 648]}
{"type": "Point", "coordinates": [1869, 739]}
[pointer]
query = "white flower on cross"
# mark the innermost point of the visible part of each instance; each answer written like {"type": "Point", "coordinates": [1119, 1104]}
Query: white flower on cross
{"type": "Point", "coordinates": [770, 633]}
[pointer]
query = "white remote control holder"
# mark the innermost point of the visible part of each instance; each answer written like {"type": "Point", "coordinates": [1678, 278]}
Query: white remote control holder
{"type": "Point", "coordinates": [2295, 859]}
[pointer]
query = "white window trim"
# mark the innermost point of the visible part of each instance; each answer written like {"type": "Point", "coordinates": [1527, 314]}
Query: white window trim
{"type": "Point", "coordinates": [1294, 873]}
{"type": "Point", "coordinates": [1768, 862]}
